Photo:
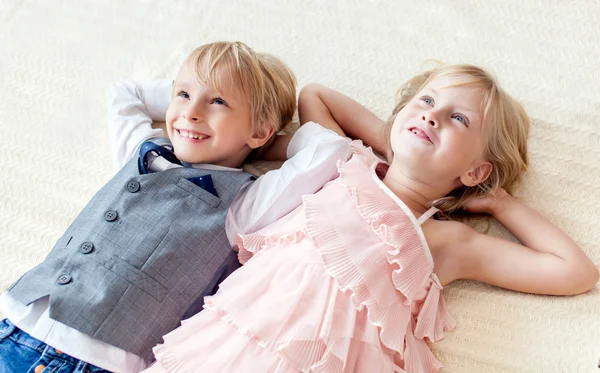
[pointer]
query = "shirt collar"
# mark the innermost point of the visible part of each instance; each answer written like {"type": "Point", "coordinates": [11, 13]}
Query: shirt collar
{"type": "Point", "coordinates": [214, 167]}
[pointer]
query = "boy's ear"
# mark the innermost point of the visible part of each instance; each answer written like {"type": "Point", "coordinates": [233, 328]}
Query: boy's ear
{"type": "Point", "coordinates": [260, 138]}
{"type": "Point", "coordinates": [478, 174]}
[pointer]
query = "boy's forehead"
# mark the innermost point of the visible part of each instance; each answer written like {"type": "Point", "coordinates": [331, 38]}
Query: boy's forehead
{"type": "Point", "coordinates": [222, 79]}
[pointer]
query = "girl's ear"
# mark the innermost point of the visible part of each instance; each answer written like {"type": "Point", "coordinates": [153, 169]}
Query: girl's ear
{"type": "Point", "coordinates": [261, 137]}
{"type": "Point", "coordinates": [478, 174]}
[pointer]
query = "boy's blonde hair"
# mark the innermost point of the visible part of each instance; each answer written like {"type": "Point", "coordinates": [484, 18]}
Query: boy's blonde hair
{"type": "Point", "coordinates": [266, 81]}
{"type": "Point", "coordinates": [506, 127]}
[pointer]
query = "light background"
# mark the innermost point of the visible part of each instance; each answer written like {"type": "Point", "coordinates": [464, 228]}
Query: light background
{"type": "Point", "coordinates": [58, 57]}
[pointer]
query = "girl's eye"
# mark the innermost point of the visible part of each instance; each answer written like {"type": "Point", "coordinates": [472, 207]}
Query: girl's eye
{"type": "Point", "coordinates": [183, 94]}
{"type": "Point", "coordinates": [218, 101]}
{"type": "Point", "coordinates": [460, 118]}
{"type": "Point", "coordinates": [428, 100]}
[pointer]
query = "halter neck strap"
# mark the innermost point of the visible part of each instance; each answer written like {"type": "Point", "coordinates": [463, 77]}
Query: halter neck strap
{"type": "Point", "coordinates": [429, 213]}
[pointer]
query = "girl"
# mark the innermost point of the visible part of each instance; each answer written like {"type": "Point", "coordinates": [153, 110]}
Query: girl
{"type": "Point", "coordinates": [351, 280]}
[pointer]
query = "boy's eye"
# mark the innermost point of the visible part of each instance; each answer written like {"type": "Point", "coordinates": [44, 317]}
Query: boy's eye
{"type": "Point", "coordinates": [428, 100]}
{"type": "Point", "coordinates": [219, 101]}
{"type": "Point", "coordinates": [183, 94]}
{"type": "Point", "coordinates": [460, 118]}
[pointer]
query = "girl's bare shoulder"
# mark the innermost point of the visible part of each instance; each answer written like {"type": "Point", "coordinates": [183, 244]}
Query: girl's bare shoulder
{"type": "Point", "coordinates": [447, 241]}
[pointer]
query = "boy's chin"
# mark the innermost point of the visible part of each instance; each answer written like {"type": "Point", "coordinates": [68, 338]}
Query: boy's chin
{"type": "Point", "coordinates": [195, 156]}
{"type": "Point", "coordinates": [192, 158]}
{"type": "Point", "coordinates": [200, 159]}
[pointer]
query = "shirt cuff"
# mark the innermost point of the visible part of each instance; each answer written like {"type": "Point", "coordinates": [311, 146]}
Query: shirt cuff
{"type": "Point", "coordinates": [304, 137]}
{"type": "Point", "coordinates": [156, 96]}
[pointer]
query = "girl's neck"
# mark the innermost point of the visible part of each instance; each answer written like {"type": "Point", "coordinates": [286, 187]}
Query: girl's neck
{"type": "Point", "coordinates": [415, 194]}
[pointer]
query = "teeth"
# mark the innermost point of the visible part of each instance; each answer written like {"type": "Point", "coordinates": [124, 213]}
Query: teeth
{"type": "Point", "coordinates": [420, 133]}
{"type": "Point", "coordinates": [190, 135]}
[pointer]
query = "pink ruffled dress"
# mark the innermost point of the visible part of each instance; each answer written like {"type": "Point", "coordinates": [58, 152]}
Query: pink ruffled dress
{"type": "Point", "coordinates": [344, 283]}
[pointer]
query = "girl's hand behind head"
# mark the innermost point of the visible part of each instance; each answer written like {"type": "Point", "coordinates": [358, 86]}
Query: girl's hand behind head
{"type": "Point", "coordinates": [488, 204]}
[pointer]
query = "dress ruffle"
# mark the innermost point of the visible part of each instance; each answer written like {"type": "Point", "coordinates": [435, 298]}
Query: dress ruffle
{"type": "Point", "coordinates": [408, 253]}
{"type": "Point", "coordinates": [357, 260]}
{"type": "Point", "coordinates": [288, 316]}
{"type": "Point", "coordinates": [345, 283]}
{"type": "Point", "coordinates": [250, 244]}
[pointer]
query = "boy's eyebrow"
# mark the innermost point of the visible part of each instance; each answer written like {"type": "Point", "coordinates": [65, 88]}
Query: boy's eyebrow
{"type": "Point", "coordinates": [230, 92]}
{"type": "Point", "coordinates": [213, 91]}
{"type": "Point", "coordinates": [182, 85]}
{"type": "Point", "coordinates": [179, 83]}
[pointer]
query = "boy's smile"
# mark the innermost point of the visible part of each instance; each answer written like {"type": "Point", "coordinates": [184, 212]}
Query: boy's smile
{"type": "Point", "coordinates": [191, 136]}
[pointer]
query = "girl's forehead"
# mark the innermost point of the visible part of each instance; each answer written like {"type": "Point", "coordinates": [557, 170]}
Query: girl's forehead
{"type": "Point", "coordinates": [461, 82]}
{"type": "Point", "coordinates": [456, 88]}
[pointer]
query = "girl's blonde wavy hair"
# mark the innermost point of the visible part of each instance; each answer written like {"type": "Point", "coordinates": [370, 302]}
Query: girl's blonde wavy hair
{"type": "Point", "coordinates": [266, 81]}
{"type": "Point", "coordinates": [506, 127]}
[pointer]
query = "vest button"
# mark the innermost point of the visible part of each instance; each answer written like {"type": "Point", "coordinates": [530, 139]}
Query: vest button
{"type": "Point", "coordinates": [64, 279]}
{"type": "Point", "coordinates": [86, 247]}
{"type": "Point", "coordinates": [110, 215]}
{"type": "Point", "coordinates": [133, 186]}
{"type": "Point", "coordinates": [39, 369]}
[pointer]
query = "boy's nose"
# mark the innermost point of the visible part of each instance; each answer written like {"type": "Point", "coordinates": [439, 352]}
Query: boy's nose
{"type": "Point", "coordinates": [192, 114]}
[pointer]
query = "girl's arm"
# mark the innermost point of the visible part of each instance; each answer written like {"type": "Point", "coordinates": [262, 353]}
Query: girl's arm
{"type": "Point", "coordinates": [547, 262]}
{"type": "Point", "coordinates": [341, 114]}
{"type": "Point", "coordinates": [277, 151]}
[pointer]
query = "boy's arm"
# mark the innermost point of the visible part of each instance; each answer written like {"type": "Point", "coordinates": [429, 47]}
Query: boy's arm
{"type": "Point", "coordinates": [546, 262]}
{"type": "Point", "coordinates": [313, 155]}
{"type": "Point", "coordinates": [132, 106]}
{"type": "Point", "coordinates": [341, 114]}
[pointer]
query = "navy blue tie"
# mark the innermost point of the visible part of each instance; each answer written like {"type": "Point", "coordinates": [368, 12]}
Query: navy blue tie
{"type": "Point", "coordinates": [205, 182]}
{"type": "Point", "coordinates": [150, 147]}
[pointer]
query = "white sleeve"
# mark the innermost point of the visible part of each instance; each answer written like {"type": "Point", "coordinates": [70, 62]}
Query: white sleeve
{"type": "Point", "coordinates": [132, 106]}
{"type": "Point", "coordinates": [313, 154]}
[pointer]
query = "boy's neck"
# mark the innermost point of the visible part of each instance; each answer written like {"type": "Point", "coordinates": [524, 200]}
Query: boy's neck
{"type": "Point", "coordinates": [210, 166]}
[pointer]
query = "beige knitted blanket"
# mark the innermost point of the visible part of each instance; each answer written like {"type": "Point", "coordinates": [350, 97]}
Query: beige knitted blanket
{"type": "Point", "coordinates": [57, 58]}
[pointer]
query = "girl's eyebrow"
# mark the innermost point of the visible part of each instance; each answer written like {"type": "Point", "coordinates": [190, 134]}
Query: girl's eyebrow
{"type": "Point", "coordinates": [473, 115]}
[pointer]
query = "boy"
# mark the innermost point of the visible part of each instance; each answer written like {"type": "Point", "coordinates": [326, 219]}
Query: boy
{"type": "Point", "coordinates": [158, 237]}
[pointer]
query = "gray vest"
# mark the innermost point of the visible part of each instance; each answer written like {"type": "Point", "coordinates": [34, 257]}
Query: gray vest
{"type": "Point", "coordinates": [139, 258]}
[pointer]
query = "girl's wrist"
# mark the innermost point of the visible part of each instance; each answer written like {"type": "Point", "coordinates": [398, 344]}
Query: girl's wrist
{"type": "Point", "coordinates": [502, 201]}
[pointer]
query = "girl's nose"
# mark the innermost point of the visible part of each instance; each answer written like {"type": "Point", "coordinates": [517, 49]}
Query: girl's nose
{"type": "Point", "coordinates": [429, 120]}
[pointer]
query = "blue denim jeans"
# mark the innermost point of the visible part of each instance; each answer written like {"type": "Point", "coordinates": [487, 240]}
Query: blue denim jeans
{"type": "Point", "coordinates": [21, 353]}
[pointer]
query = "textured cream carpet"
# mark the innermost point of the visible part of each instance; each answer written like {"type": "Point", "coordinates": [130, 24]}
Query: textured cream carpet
{"type": "Point", "coordinates": [57, 58]}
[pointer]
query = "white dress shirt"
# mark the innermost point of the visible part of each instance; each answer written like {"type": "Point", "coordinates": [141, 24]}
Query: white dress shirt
{"type": "Point", "coordinates": [132, 106]}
